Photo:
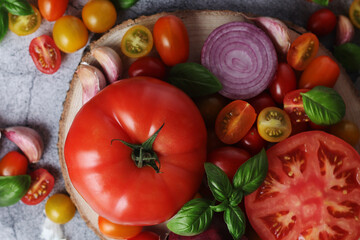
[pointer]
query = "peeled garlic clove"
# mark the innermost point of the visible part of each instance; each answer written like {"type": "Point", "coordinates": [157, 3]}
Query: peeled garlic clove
{"type": "Point", "coordinates": [110, 61]}
{"type": "Point", "coordinates": [92, 81]}
{"type": "Point", "coordinates": [344, 30]}
{"type": "Point", "coordinates": [28, 140]}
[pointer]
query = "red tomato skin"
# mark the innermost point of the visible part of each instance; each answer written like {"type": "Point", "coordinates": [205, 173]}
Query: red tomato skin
{"type": "Point", "coordinates": [322, 22]}
{"type": "Point", "coordinates": [135, 108]}
{"type": "Point", "coordinates": [252, 141]}
{"type": "Point", "coordinates": [171, 40]}
{"type": "Point", "coordinates": [284, 81]}
{"type": "Point", "coordinates": [148, 66]}
{"type": "Point", "coordinates": [51, 10]}
{"type": "Point", "coordinates": [146, 235]}
{"type": "Point", "coordinates": [13, 164]}
{"type": "Point", "coordinates": [261, 101]}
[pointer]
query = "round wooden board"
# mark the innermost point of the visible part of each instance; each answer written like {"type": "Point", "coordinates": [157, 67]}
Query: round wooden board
{"type": "Point", "coordinates": [199, 24]}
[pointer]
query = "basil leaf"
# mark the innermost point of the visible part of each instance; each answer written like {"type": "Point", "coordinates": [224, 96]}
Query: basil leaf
{"type": "Point", "coordinates": [235, 221]}
{"type": "Point", "coordinates": [322, 2]}
{"type": "Point", "coordinates": [18, 7]}
{"type": "Point", "coordinates": [218, 182]}
{"type": "Point", "coordinates": [4, 22]}
{"type": "Point", "coordinates": [348, 55]}
{"type": "Point", "coordinates": [252, 173]}
{"type": "Point", "coordinates": [123, 4]}
{"type": "Point", "coordinates": [323, 105]}
{"type": "Point", "coordinates": [194, 79]}
{"type": "Point", "coordinates": [236, 197]}
{"type": "Point", "coordinates": [13, 188]}
{"type": "Point", "coordinates": [192, 219]}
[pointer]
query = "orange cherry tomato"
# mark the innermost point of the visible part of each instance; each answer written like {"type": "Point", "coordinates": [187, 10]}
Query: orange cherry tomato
{"type": "Point", "coordinates": [117, 231]}
{"type": "Point", "coordinates": [99, 15]}
{"type": "Point", "coordinates": [347, 131]}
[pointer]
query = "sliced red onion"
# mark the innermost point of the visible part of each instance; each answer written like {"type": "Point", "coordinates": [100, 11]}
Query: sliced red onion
{"type": "Point", "coordinates": [242, 57]}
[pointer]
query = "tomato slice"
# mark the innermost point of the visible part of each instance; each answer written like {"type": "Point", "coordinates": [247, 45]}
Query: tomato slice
{"type": "Point", "coordinates": [137, 42]}
{"type": "Point", "coordinates": [273, 124]}
{"type": "Point", "coordinates": [354, 13]}
{"type": "Point", "coordinates": [302, 50]}
{"type": "Point", "coordinates": [24, 25]}
{"type": "Point", "coordinates": [42, 182]}
{"type": "Point", "coordinates": [312, 190]}
{"type": "Point", "coordinates": [45, 54]}
{"type": "Point", "coordinates": [234, 121]}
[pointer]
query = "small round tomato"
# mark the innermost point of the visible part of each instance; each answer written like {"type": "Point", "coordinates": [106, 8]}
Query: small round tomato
{"type": "Point", "coordinates": [70, 34]}
{"type": "Point", "coordinates": [45, 54]}
{"type": "Point", "coordinates": [228, 159]}
{"type": "Point", "coordinates": [234, 121]}
{"type": "Point", "coordinates": [212, 140]}
{"type": "Point", "coordinates": [99, 15]}
{"type": "Point", "coordinates": [148, 66]}
{"type": "Point", "coordinates": [51, 10]}
{"type": "Point", "coordinates": [42, 182]}
{"type": "Point", "coordinates": [284, 81]}
{"type": "Point", "coordinates": [59, 208]}
{"type": "Point", "coordinates": [171, 40]}
{"type": "Point", "coordinates": [322, 71]}
{"type": "Point", "coordinates": [137, 42]}
{"type": "Point", "coordinates": [322, 22]}
{"type": "Point", "coordinates": [302, 50]}
{"type": "Point", "coordinates": [354, 13]}
{"type": "Point", "coordinates": [210, 106]}
{"type": "Point", "coordinates": [146, 235]}
{"type": "Point", "coordinates": [252, 141]}
{"type": "Point", "coordinates": [261, 101]}
{"type": "Point", "coordinates": [273, 124]}
{"type": "Point", "coordinates": [24, 25]}
{"type": "Point", "coordinates": [13, 164]}
{"type": "Point", "coordinates": [117, 231]}
{"type": "Point", "coordinates": [347, 131]}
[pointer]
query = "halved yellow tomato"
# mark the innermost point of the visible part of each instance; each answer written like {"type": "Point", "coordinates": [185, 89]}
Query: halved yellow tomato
{"type": "Point", "coordinates": [137, 42]}
{"type": "Point", "coordinates": [354, 13]}
{"type": "Point", "coordinates": [24, 25]}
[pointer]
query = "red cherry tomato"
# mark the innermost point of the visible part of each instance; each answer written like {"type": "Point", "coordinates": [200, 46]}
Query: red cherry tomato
{"type": "Point", "coordinates": [261, 101]}
{"type": "Point", "coordinates": [13, 163]}
{"type": "Point", "coordinates": [283, 82]}
{"type": "Point", "coordinates": [252, 141]}
{"type": "Point", "coordinates": [146, 235]}
{"type": "Point", "coordinates": [171, 40]}
{"type": "Point", "coordinates": [322, 22]}
{"type": "Point", "coordinates": [51, 10]}
{"type": "Point", "coordinates": [149, 67]}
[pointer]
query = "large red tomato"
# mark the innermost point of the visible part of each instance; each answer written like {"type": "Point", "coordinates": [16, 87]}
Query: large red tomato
{"type": "Point", "coordinates": [103, 170]}
{"type": "Point", "coordinates": [312, 190]}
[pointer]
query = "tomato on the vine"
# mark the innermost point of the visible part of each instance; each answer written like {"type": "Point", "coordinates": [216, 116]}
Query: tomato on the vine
{"type": "Point", "coordinates": [261, 101]}
{"type": "Point", "coordinates": [25, 25]}
{"type": "Point", "coordinates": [137, 42]}
{"type": "Point", "coordinates": [354, 13]}
{"type": "Point", "coordinates": [146, 235]}
{"type": "Point", "coordinates": [252, 141]}
{"type": "Point", "coordinates": [347, 131]}
{"type": "Point", "coordinates": [13, 163]}
{"type": "Point", "coordinates": [147, 66]}
{"type": "Point", "coordinates": [99, 15]}
{"type": "Point", "coordinates": [59, 208]}
{"type": "Point", "coordinates": [51, 10]}
{"type": "Point", "coordinates": [284, 81]}
{"type": "Point", "coordinates": [117, 231]}
{"type": "Point", "coordinates": [322, 22]}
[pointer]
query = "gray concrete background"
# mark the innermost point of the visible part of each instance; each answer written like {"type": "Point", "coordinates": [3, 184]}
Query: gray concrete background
{"type": "Point", "coordinates": [30, 98]}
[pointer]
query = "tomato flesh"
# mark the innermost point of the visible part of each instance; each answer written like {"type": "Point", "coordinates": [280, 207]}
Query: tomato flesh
{"type": "Point", "coordinates": [137, 42]}
{"type": "Point", "coordinates": [311, 190]}
{"type": "Point", "coordinates": [25, 25]}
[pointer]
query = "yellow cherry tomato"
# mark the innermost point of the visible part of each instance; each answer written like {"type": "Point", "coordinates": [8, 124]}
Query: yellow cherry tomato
{"type": "Point", "coordinates": [99, 15]}
{"type": "Point", "coordinates": [24, 25]}
{"type": "Point", "coordinates": [354, 13]}
{"type": "Point", "coordinates": [59, 208]}
{"type": "Point", "coordinates": [137, 42]}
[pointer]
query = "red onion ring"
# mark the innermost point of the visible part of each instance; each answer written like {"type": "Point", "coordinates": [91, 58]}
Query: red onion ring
{"type": "Point", "coordinates": [242, 57]}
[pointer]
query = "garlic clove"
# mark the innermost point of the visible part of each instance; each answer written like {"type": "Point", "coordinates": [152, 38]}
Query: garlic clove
{"type": "Point", "coordinates": [92, 81]}
{"type": "Point", "coordinates": [344, 30]}
{"type": "Point", "coordinates": [110, 62]}
{"type": "Point", "coordinates": [28, 140]}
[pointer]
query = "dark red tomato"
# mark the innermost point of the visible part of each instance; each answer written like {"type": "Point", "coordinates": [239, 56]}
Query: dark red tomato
{"type": "Point", "coordinates": [51, 10]}
{"type": "Point", "coordinates": [45, 54]}
{"type": "Point", "coordinates": [252, 141]}
{"type": "Point", "coordinates": [149, 67]}
{"type": "Point", "coordinates": [228, 159]}
{"type": "Point", "coordinates": [261, 101]}
{"type": "Point", "coordinates": [13, 164]}
{"type": "Point", "coordinates": [42, 182]}
{"type": "Point", "coordinates": [210, 106]}
{"type": "Point", "coordinates": [212, 140]}
{"type": "Point", "coordinates": [284, 81]}
{"type": "Point", "coordinates": [171, 40]}
{"type": "Point", "coordinates": [311, 191]}
{"type": "Point", "coordinates": [146, 235]}
{"type": "Point", "coordinates": [322, 22]}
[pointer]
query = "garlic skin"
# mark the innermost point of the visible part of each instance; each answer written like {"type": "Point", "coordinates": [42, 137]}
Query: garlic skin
{"type": "Point", "coordinates": [344, 30]}
{"type": "Point", "coordinates": [92, 81]}
{"type": "Point", "coordinates": [28, 140]}
{"type": "Point", "coordinates": [110, 62]}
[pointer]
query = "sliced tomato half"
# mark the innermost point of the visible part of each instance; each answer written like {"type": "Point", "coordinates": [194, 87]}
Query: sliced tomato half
{"type": "Point", "coordinates": [137, 42]}
{"type": "Point", "coordinates": [26, 24]}
{"type": "Point", "coordinates": [312, 190]}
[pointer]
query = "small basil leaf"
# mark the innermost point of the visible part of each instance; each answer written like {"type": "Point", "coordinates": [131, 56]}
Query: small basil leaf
{"type": "Point", "coordinates": [13, 188]}
{"type": "Point", "coordinates": [18, 7]}
{"type": "Point", "coordinates": [194, 79]}
{"type": "Point", "coordinates": [123, 4]}
{"type": "Point", "coordinates": [235, 221]}
{"type": "Point", "coordinates": [252, 173]}
{"type": "Point", "coordinates": [322, 2]}
{"type": "Point", "coordinates": [192, 219]}
{"type": "Point", "coordinates": [236, 197]}
{"type": "Point", "coordinates": [348, 55]}
{"type": "Point", "coordinates": [323, 105]}
{"type": "Point", "coordinates": [218, 182]}
{"type": "Point", "coordinates": [4, 22]}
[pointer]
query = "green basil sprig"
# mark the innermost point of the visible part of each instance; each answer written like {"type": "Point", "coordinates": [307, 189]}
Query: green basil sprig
{"type": "Point", "coordinates": [348, 55]}
{"type": "Point", "coordinates": [13, 188]}
{"type": "Point", "coordinates": [323, 105]}
{"type": "Point", "coordinates": [123, 4]}
{"type": "Point", "coordinates": [196, 215]}
{"type": "Point", "coordinates": [322, 2]}
{"type": "Point", "coordinates": [194, 79]}
{"type": "Point", "coordinates": [4, 22]}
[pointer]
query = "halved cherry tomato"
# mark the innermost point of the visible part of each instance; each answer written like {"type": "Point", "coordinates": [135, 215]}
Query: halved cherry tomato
{"type": "Point", "coordinates": [322, 71]}
{"type": "Point", "coordinates": [146, 235]}
{"type": "Point", "coordinates": [273, 124]}
{"type": "Point", "coordinates": [261, 101]}
{"type": "Point", "coordinates": [210, 106]}
{"type": "Point", "coordinates": [171, 40]}
{"type": "Point", "coordinates": [137, 42]}
{"type": "Point", "coordinates": [117, 231]}
{"type": "Point", "coordinates": [284, 81]}
{"type": "Point", "coordinates": [59, 208]}
{"type": "Point", "coordinates": [99, 15]}
{"type": "Point", "coordinates": [13, 164]}
{"type": "Point", "coordinates": [45, 54]}
{"type": "Point", "coordinates": [322, 22]}
{"type": "Point", "coordinates": [302, 50]}
{"type": "Point", "coordinates": [252, 141]}
{"type": "Point", "coordinates": [354, 13]}
{"type": "Point", "coordinates": [24, 25]}
{"type": "Point", "coordinates": [234, 121]}
{"type": "Point", "coordinates": [148, 66]}
{"type": "Point", "coordinates": [42, 182]}
{"type": "Point", "coordinates": [347, 131]}
{"type": "Point", "coordinates": [51, 10]}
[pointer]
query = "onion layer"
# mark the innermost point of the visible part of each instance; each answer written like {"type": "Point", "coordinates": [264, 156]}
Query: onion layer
{"type": "Point", "coordinates": [242, 57]}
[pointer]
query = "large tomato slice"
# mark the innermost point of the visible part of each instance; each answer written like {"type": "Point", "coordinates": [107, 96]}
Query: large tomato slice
{"type": "Point", "coordinates": [311, 192]}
